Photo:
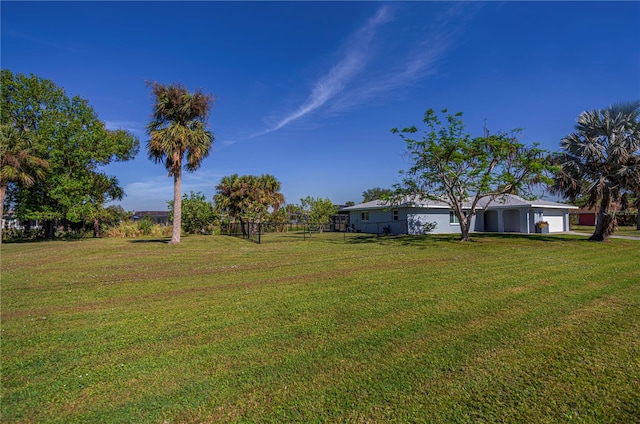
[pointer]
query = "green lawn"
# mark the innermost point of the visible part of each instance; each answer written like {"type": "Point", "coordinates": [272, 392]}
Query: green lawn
{"type": "Point", "coordinates": [368, 329]}
{"type": "Point", "coordinates": [620, 231]}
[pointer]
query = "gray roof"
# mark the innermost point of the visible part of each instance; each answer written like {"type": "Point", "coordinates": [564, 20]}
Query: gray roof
{"type": "Point", "coordinates": [504, 201]}
{"type": "Point", "coordinates": [511, 200]}
{"type": "Point", "coordinates": [406, 202]}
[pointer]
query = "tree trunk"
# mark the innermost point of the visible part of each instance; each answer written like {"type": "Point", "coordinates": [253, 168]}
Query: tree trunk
{"type": "Point", "coordinates": [465, 234]}
{"type": "Point", "coordinates": [3, 190]}
{"type": "Point", "coordinates": [465, 225]}
{"type": "Point", "coordinates": [177, 207]}
{"type": "Point", "coordinates": [638, 220]}
{"type": "Point", "coordinates": [49, 229]}
{"type": "Point", "coordinates": [604, 220]}
{"type": "Point", "coordinates": [96, 227]}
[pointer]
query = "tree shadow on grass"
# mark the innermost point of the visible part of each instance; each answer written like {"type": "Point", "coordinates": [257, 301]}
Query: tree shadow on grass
{"type": "Point", "coordinates": [558, 237]}
{"type": "Point", "coordinates": [163, 240]}
{"type": "Point", "coordinates": [424, 240]}
{"type": "Point", "coordinates": [402, 239]}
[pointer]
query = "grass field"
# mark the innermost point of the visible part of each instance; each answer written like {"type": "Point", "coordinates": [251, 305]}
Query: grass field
{"type": "Point", "coordinates": [620, 231]}
{"type": "Point", "coordinates": [364, 329]}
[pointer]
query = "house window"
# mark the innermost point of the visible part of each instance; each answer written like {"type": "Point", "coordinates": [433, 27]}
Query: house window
{"type": "Point", "coordinates": [453, 218]}
{"type": "Point", "coordinates": [395, 215]}
{"type": "Point", "coordinates": [364, 216]}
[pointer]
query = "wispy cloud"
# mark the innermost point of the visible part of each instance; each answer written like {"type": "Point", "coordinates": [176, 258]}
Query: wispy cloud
{"type": "Point", "coordinates": [412, 63]}
{"type": "Point", "coordinates": [335, 81]}
{"type": "Point", "coordinates": [136, 128]}
{"type": "Point", "coordinates": [41, 41]}
{"type": "Point", "coordinates": [368, 71]}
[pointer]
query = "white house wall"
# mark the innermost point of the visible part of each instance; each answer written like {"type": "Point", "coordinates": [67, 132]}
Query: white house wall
{"type": "Point", "coordinates": [378, 220]}
{"type": "Point", "coordinates": [420, 217]}
{"type": "Point", "coordinates": [412, 220]}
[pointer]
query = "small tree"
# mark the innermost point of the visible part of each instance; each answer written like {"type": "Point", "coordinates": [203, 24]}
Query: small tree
{"type": "Point", "coordinates": [318, 211]}
{"type": "Point", "coordinates": [448, 165]}
{"type": "Point", "coordinates": [198, 216]}
{"type": "Point", "coordinates": [17, 163]}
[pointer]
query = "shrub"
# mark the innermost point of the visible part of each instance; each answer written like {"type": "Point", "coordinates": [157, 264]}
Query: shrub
{"type": "Point", "coordinates": [130, 229]}
{"type": "Point", "coordinates": [145, 225]}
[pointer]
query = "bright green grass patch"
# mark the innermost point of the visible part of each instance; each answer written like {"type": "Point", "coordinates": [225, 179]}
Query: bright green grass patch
{"type": "Point", "coordinates": [620, 231]}
{"type": "Point", "coordinates": [333, 329]}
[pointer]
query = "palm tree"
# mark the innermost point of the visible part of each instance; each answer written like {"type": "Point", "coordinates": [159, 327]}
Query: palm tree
{"type": "Point", "coordinates": [248, 198]}
{"type": "Point", "coordinates": [178, 128]}
{"type": "Point", "coordinates": [270, 188]}
{"type": "Point", "coordinates": [601, 160]}
{"type": "Point", "coordinates": [17, 163]}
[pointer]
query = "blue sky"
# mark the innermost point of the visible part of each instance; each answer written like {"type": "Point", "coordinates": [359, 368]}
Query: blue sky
{"type": "Point", "coordinates": [308, 91]}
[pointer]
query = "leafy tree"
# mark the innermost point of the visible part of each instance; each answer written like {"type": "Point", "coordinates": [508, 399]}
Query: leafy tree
{"type": "Point", "coordinates": [179, 128]}
{"type": "Point", "coordinates": [198, 215]}
{"type": "Point", "coordinates": [449, 165]}
{"type": "Point", "coordinates": [66, 133]}
{"type": "Point", "coordinates": [601, 160]}
{"type": "Point", "coordinates": [318, 211]}
{"type": "Point", "coordinates": [115, 214]}
{"type": "Point", "coordinates": [17, 163]}
{"type": "Point", "coordinates": [375, 194]}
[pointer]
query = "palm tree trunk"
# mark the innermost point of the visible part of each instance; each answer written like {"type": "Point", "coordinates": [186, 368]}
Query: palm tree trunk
{"type": "Point", "coordinates": [177, 207]}
{"type": "Point", "coordinates": [604, 221]}
{"type": "Point", "coordinates": [3, 190]}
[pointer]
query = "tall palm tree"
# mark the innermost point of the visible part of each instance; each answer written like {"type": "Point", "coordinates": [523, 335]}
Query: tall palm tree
{"type": "Point", "coordinates": [17, 162]}
{"type": "Point", "coordinates": [179, 128]}
{"type": "Point", "coordinates": [601, 160]}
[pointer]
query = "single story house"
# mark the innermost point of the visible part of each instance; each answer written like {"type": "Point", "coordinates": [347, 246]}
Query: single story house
{"type": "Point", "coordinates": [588, 216]}
{"type": "Point", "coordinates": [507, 213]}
{"type": "Point", "coordinates": [157, 217]}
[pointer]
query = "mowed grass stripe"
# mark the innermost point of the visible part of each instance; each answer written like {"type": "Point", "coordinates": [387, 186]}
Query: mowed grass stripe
{"type": "Point", "coordinates": [364, 329]}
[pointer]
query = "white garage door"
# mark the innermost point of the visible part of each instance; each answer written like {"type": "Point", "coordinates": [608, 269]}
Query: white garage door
{"type": "Point", "coordinates": [555, 218]}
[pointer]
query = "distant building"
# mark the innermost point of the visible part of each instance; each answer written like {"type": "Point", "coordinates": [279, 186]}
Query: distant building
{"type": "Point", "coordinates": [158, 217]}
{"type": "Point", "coordinates": [588, 216]}
{"type": "Point", "coordinates": [9, 221]}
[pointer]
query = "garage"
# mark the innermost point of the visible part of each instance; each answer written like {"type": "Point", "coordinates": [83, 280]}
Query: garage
{"type": "Point", "coordinates": [555, 218]}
